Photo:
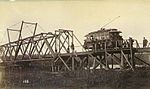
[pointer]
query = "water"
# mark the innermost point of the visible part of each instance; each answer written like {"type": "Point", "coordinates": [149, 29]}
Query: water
{"type": "Point", "coordinates": [31, 78]}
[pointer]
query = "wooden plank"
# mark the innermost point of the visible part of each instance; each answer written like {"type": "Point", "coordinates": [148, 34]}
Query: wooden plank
{"type": "Point", "coordinates": [127, 60]}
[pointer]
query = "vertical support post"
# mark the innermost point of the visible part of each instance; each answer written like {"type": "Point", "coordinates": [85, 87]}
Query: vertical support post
{"type": "Point", "coordinates": [88, 63]}
{"type": "Point", "coordinates": [52, 66]}
{"type": "Point", "coordinates": [59, 40]}
{"type": "Point", "coordinates": [8, 35]}
{"type": "Point", "coordinates": [72, 38]}
{"type": "Point", "coordinates": [20, 30]}
{"type": "Point", "coordinates": [58, 68]}
{"type": "Point", "coordinates": [68, 49]}
{"type": "Point", "coordinates": [122, 61]}
{"type": "Point", "coordinates": [55, 42]}
{"type": "Point", "coordinates": [105, 56]}
{"type": "Point", "coordinates": [9, 47]}
{"type": "Point", "coordinates": [19, 42]}
{"type": "Point", "coordinates": [72, 43]}
{"type": "Point", "coordinates": [73, 63]}
{"type": "Point", "coordinates": [132, 54]}
{"type": "Point", "coordinates": [112, 62]}
{"type": "Point", "coordinates": [100, 57]}
{"type": "Point", "coordinates": [35, 29]}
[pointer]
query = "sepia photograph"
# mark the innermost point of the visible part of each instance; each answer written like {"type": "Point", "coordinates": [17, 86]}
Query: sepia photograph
{"type": "Point", "coordinates": [74, 44]}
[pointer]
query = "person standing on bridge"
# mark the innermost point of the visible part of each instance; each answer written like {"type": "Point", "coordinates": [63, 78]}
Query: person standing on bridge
{"type": "Point", "coordinates": [145, 41]}
{"type": "Point", "coordinates": [131, 42]}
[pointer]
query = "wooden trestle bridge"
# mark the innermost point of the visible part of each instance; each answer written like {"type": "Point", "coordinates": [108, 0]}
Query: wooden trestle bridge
{"type": "Point", "coordinates": [59, 49]}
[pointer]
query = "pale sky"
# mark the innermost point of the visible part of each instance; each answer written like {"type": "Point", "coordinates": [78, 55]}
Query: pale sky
{"type": "Point", "coordinates": [80, 16]}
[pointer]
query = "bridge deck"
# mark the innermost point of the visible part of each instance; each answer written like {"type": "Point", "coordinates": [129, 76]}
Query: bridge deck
{"type": "Point", "coordinates": [143, 49]}
{"type": "Point", "coordinates": [79, 54]}
{"type": "Point", "coordinates": [65, 55]}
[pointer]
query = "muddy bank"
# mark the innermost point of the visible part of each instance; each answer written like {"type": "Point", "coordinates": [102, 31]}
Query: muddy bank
{"type": "Point", "coordinates": [83, 79]}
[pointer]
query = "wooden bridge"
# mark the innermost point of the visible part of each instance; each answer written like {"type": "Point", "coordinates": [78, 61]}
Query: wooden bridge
{"type": "Point", "coordinates": [58, 49]}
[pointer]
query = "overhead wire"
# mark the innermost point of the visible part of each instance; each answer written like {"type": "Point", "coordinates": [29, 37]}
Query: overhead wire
{"type": "Point", "coordinates": [30, 30]}
{"type": "Point", "coordinates": [41, 28]}
{"type": "Point", "coordinates": [110, 21]}
{"type": "Point", "coordinates": [25, 27]}
{"type": "Point", "coordinates": [5, 31]}
{"type": "Point", "coordinates": [14, 24]}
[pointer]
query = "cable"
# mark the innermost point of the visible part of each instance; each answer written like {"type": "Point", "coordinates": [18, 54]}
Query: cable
{"type": "Point", "coordinates": [14, 24]}
{"type": "Point", "coordinates": [27, 26]}
{"type": "Point", "coordinates": [110, 21]}
{"type": "Point", "coordinates": [41, 28]}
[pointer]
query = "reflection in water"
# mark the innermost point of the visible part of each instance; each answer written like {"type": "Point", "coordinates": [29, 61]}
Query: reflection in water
{"type": "Point", "coordinates": [27, 78]}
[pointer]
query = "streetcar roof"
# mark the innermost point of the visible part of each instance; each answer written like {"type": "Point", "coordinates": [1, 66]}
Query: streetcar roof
{"type": "Point", "coordinates": [103, 30]}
